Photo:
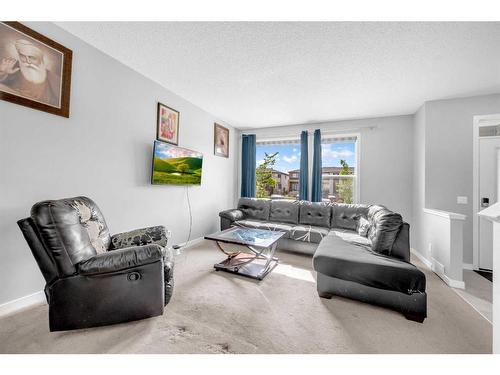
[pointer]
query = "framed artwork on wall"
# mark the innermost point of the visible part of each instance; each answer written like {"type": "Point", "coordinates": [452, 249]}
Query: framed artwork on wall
{"type": "Point", "coordinates": [167, 127]}
{"type": "Point", "coordinates": [221, 140]}
{"type": "Point", "coordinates": [35, 71]}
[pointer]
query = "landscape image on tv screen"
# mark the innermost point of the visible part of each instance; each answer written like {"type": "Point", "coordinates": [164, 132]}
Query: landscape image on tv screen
{"type": "Point", "coordinates": [175, 165]}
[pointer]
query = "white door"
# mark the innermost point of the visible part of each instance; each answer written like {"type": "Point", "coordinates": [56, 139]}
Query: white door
{"type": "Point", "coordinates": [489, 148]}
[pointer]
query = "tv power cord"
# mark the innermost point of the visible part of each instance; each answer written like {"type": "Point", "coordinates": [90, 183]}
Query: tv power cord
{"type": "Point", "coordinates": [178, 247]}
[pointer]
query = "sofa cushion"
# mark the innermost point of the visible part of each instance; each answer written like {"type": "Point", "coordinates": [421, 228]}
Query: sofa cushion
{"type": "Point", "coordinates": [284, 211]}
{"type": "Point", "coordinates": [232, 214]}
{"type": "Point", "coordinates": [282, 227]}
{"type": "Point", "coordinates": [341, 259]}
{"type": "Point", "coordinates": [138, 237]}
{"type": "Point", "coordinates": [351, 236]}
{"type": "Point", "coordinates": [384, 228]}
{"type": "Point", "coordinates": [255, 208]}
{"type": "Point", "coordinates": [308, 233]}
{"type": "Point", "coordinates": [363, 227]}
{"type": "Point", "coordinates": [346, 216]}
{"type": "Point", "coordinates": [315, 213]}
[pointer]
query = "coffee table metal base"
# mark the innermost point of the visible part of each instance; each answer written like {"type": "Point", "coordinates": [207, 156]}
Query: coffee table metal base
{"type": "Point", "coordinates": [256, 264]}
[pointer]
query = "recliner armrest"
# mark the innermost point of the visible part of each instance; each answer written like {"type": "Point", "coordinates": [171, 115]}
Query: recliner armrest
{"type": "Point", "coordinates": [139, 237]}
{"type": "Point", "coordinates": [121, 259]}
{"type": "Point", "coordinates": [232, 214]}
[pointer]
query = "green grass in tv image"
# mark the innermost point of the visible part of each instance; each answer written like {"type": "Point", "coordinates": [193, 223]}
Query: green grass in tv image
{"type": "Point", "coordinates": [180, 171]}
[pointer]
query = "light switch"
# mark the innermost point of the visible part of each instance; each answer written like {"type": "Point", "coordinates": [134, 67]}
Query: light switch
{"type": "Point", "coordinates": [461, 200]}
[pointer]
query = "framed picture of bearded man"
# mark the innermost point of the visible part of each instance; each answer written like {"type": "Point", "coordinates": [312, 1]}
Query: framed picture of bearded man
{"type": "Point", "coordinates": [35, 71]}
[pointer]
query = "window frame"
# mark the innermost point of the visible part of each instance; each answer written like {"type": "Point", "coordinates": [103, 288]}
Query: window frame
{"type": "Point", "coordinates": [357, 145]}
{"type": "Point", "coordinates": [324, 134]}
{"type": "Point", "coordinates": [280, 140]}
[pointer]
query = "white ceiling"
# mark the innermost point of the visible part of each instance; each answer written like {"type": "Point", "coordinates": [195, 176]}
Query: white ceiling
{"type": "Point", "coordinates": [271, 74]}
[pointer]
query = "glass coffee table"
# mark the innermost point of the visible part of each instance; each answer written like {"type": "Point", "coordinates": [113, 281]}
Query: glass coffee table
{"type": "Point", "coordinates": [261, 245]}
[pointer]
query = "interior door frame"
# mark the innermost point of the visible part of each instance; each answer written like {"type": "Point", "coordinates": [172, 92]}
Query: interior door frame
{"type": "Point", "coordinates": [478, 121]}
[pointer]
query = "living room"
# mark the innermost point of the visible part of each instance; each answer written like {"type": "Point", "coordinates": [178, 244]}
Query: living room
{"type": "Point", "coordinates": [249, 187]}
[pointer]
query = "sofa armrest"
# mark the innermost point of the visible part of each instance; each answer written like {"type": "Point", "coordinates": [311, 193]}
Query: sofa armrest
{"type": "Point", "coordinates": [232, 214]}
{"type": "Point", "coordinates": [139, 237]}
{"type": "Point", "coordinates": [401, 247]}
{"type": "Point", "coordinates": [121, 259]}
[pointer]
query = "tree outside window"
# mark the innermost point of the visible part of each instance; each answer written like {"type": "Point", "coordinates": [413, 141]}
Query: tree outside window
{"type": "Point", "coordinates": [264, 176]}
{"type": "Point", "coordinates": [278, 169]}
{"type": "Point", "coordinates": [339, 170]}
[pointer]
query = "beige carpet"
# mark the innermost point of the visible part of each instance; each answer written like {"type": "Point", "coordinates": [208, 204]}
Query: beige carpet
{"type": "Point", "coordinates": [217, 312]}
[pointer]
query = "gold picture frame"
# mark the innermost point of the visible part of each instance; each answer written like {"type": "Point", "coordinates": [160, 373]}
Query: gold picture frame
{"type": "Point", "coordinates": [221, 140]}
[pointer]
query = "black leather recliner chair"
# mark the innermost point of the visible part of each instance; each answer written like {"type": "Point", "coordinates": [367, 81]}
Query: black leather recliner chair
{"type": "Point", "coordinates": [93, 278]}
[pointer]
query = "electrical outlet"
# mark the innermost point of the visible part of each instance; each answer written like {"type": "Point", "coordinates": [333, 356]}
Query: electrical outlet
{"type": "Point", "coordinates": [462, 200]}
{"type": "Point", "coordinates": [430, 249]}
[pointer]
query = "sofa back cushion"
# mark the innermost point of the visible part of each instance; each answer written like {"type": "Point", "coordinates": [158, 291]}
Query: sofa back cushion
{"type": "Point", "coordinates": [255, 208]}
{"type": "Point", "coordinates": [284, 211]}
{"type": "Point", "coordinates": [72, 230]}
{"type": "Point", "coordinates": [315, 213]}
{"type": "Point", "coordinates": [346, 216]}
{"type": "Point", "coordinates": [384, 228]}
{"type": "Point", "coordinates": [42, 256]}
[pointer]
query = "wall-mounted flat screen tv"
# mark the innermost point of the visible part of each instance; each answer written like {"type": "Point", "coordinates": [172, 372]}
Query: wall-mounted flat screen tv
{"type": "Point", "coordinates": [175, 165]}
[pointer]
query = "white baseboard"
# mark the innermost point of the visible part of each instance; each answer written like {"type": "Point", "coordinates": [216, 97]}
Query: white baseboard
{"type": "Point", "coordinates": [39, 297]}
{"type": "Point", "coordinates": [453, 283]}
{"type": "Point", "coordinates": [190, 243]}
{"type": "Point", "coordinates": [423, 259]}
{"type": "Point", "coordinates": [22, 303]}
{"type": "Point", "coordinates": [194, 241]}
{"type": "Point", "coordinates": [450, 282]}
{"type": "Point", "coordinates": [468, 266]}
{"type": "Point", "coordinates": [438, 269]}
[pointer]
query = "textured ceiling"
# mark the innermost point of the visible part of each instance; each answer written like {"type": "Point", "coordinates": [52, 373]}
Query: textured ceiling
{"type": "Point", "coordinates": [270, 74]}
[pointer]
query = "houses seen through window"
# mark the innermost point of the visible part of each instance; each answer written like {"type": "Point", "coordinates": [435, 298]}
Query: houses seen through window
{"type": "Point", "coordinates": [339, 169]}
{"type": "Point", "coordinates": [278, 169]}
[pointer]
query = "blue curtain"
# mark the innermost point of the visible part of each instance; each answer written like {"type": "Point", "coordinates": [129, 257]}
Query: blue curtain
{"type": "Point", "coordinates": [248, 165]}
{"type": "Point", "coordinates": [317, 168]}
{"type": "Point", "coordinates": [304, 167]}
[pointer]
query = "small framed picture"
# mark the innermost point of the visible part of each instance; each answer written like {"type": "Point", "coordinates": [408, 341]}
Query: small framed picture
{"type": "Point", "coordinates": [167, 127]}
{"type": "Point", "coordinates": [35, 71]}
{"type": "Point", "coordinates": [221, 140]}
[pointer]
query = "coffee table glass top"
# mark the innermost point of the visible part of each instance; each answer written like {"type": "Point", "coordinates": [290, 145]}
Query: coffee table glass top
{"type": "Point", "coordinates": [247, 236]}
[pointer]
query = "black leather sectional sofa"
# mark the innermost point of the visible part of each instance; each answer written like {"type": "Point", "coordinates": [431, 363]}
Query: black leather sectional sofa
{"type": "Point", "coordinates": [374, 268]}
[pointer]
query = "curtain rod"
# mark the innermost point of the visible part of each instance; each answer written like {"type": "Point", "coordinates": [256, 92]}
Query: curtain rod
{"type": "Point", "coordinates": [346, 130]}
{"type": "Point", "coordinates": [289, 137]}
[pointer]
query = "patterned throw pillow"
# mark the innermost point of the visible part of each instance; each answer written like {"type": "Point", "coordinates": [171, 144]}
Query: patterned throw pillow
{"type": "Point", "coordinates": [363, 226]}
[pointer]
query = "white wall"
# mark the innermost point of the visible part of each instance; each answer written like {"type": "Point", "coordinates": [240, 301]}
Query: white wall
{"type": "Point", "coordinates": [496, 291]}
{"type": "Point", "coordinates": [444, 233]}
{"type": "Point", "coordinates": [449, 131]}
{"type": "Point", "coordinates": [103, 151]}
{"type": "Point", "coordinates": [386, 157]}
{"type": "Point", "coordinates": [418, 181]}
{"type": "Point", "coordinates": [443, 133]}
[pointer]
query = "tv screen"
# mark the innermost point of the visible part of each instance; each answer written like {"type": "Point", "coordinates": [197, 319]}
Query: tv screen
{"type": "Point", "coordinates": [175, 165]}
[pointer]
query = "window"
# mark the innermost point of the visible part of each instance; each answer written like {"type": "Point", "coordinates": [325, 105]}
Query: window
{"type": "Point", "coordinates": [277, 169]}
{"type": "Point", "coordinates": [339, 168]}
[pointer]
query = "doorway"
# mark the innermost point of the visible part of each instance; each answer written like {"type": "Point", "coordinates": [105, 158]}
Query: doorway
{"type": "Point", "coordinates": [486, 186]}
